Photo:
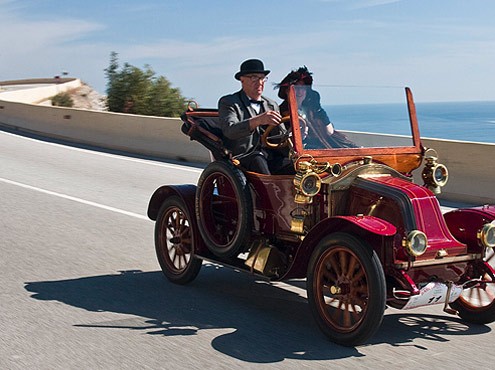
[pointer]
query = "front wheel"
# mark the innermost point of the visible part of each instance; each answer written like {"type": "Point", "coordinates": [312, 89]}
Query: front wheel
{"type": "Point", "coordinates": [477, 304]}
{"type": "Point", "coordinates": [346, 289]}
{"type": "Point", "coordinates": [174, 242]}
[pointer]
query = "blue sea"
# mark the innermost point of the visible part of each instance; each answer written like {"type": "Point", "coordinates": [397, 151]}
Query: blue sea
{"type": "Point", "coordinates": [467, 121]}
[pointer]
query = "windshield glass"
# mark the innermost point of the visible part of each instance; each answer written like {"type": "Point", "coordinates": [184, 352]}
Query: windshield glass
{"type": "Point", "coordinates": [353, 117]}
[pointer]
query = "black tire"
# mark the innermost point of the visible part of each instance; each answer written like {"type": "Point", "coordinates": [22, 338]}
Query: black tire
{"type": "Point", "coordinates": [224, 209]}
{"type": "Point", "coordinates": [174, 242]}
{"type": "Point", "coordinates": [477, 304]}
{"type": "Point", "coordinates": [346, 289]}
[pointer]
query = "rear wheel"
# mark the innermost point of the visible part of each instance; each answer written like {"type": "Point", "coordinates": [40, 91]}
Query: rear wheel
{"type": "Point", "coordinates": [224, 209]}
{"type": "Point", "coordinates": [477, 304]}
{"type": "Point", "coordinates": [174, 242]}
{"type": "Point", "coordinates": [346, 289]}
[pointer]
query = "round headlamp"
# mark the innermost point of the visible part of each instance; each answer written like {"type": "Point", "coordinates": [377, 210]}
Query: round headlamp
{"type": "Point", "coordinates": [440, 175]}
{"type": "Point", "coordinates": [416, 243]}
{"type": "Point", "coordinates": [435, 175]}
{"type": "Point", "coordinates": [310, 184]}
{"type": "Point", "coordinates": [487, 235]}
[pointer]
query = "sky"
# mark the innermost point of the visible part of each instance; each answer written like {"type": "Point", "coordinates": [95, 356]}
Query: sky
{"type": "Point", "coordinates": [444, 50]}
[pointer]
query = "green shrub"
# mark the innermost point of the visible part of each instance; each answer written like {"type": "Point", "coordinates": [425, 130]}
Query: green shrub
{"type": "Point", "coordinates": [62, 100]}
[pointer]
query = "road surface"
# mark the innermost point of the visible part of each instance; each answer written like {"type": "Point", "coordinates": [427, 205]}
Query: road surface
{"type": "Point", "coordinates": [81, 287]}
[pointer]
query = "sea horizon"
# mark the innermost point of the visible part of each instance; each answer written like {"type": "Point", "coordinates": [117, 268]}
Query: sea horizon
{"type": "Point", "coordinates": [472, 121]}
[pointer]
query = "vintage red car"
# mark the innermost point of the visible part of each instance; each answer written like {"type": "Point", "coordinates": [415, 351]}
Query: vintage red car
{"type": "Point", "coordinates": [349, 218]}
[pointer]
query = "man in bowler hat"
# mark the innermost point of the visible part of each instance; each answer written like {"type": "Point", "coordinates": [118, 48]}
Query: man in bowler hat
{"type": "Point", "coordinates": [245, 114]}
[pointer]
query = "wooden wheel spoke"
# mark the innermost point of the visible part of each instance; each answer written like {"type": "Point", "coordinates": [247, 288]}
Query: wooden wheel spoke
{"type": "Point", "coordinates": [359, 276]}
{"type": "Point", "coordinates": [183, 223]}
{"type": "Point", "coordinates": [489, 293]}
{"type": "Point", "coordinates": [183, 261]}
{"type": "Point", "coordinates": [171, 226]}
{"type": "Point", "coordinates": [343, 315]}
{"type": "Point", "coordinates": [359, 286]}
{"type": "Point", "coordinates": [177, 220]}
{"type": "Point", "coordinates": [343, 262]}
{"type": "Point", "coordinates": [173, 255]}
{"type": "Point", "coordinates": [335, 266]}
{"type": "Point", "coordinates": [184, 229]}
{"type": "Point", "coordinates": [329, 276]}
{"type": "Point", "coordinates": [359, 301]}
{"type": "Point", "coordinates": [356, 312]}
{"type": "Point", "coordinates": [186, 245]}
{"type": "Point", "coordinates": [185, 235]}
{"type": "Point", "coordinates": [330, 300]}
{"type": "Point", "coordinates": [353, 263]}
{"type": "Point", "coordinates": [478, 295]}
{"type": "Point", "coordinates": [336, 313]}
{"type": "Point", "coordinates": [346, 315]}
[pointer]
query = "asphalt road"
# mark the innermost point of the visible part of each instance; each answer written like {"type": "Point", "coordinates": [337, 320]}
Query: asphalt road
{"type": "Point", "coordinates": [81, 287]}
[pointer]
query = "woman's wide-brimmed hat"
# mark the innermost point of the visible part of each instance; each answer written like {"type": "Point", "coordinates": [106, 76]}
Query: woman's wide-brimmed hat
{"type": "Point", "coordinates": [251, 66]}
{"type": "Point", "coordinates": [300, 75]}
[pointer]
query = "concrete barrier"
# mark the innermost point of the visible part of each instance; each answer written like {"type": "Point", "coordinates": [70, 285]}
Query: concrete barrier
{"type": "Point", "coordinates": [471, 170]}
{"type": "Point", "coordinates": [143, 135]}
{"type": "Point", "coordinates": [36, 90]}
{"type": "Point", "coordinates": [471, 165]}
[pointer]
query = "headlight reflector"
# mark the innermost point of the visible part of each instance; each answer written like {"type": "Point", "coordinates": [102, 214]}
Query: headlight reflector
{"type": "Point", "coordinates": [487, 235]}
{"type": "Point", "coordinates": [440, 175]}
{"type": "Point", "coordinates": [308, 184]}
{"type": "Point", "coordinates": [416, 243]}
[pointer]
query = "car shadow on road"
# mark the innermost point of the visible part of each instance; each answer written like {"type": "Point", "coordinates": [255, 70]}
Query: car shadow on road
{"type": "Point", "coordinates": [265, 323]}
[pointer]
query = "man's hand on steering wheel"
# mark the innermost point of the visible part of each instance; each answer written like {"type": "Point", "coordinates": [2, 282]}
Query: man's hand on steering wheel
{"type": "Point", "coordinates": [282, 138]}
{"type": "Point", "coordinates": [270, 118]}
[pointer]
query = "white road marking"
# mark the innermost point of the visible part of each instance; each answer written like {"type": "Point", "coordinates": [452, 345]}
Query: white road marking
{"type": "Point", "coordinates": [75, 199]}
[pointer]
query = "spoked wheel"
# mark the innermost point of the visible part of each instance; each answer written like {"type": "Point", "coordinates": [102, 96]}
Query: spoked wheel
{"type": "Point", "coordinates": [174, 242]}
{"type": "Point", "coordinates": [224, 209]}
{"type": "Point", "coordinates": [346, 289]}
{"type": "Point", "coordinates": [477, 304]}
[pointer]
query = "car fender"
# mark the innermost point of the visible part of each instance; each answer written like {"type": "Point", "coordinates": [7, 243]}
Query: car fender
{"type": "Point", "coordinates": [363, 226]}
{"type": "Point", "coordinates": [464, 223]}
{"type": "Point", "coordinates": [185, 192]}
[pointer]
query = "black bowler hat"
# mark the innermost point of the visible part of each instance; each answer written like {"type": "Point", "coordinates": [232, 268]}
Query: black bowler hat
{"type": "Point", "coordinates": [251, 66]}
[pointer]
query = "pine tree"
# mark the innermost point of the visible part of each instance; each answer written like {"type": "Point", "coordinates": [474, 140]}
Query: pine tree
{"type": "Point", "coordinates": [135, 91]}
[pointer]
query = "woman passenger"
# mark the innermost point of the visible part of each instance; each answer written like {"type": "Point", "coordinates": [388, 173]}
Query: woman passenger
{"type": "Point", "coordinates": [320, 133]}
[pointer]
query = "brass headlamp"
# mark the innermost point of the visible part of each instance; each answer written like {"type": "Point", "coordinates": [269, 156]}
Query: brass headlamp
{"type": "Point", "coordinates": [307, 183]}
{"type": "Point", "coordinates": [435, 175]}
{"type": "Point", "coordinates": [486, 235]}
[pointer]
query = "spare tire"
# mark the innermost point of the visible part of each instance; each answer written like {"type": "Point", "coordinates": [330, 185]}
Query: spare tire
{"type": "Point", "coordinates": [224, 209]}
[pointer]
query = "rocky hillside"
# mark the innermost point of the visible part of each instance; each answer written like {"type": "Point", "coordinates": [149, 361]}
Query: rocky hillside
{"type": "Point", "coordinates": [84, 97]}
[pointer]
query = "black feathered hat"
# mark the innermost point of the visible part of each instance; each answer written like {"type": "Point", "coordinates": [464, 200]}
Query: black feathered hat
{"type": "Point", "coordinates": [301, 74]}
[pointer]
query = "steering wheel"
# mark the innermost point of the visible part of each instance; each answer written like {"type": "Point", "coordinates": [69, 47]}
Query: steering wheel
{"type": "Point", "coordinates": [283, 138]}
